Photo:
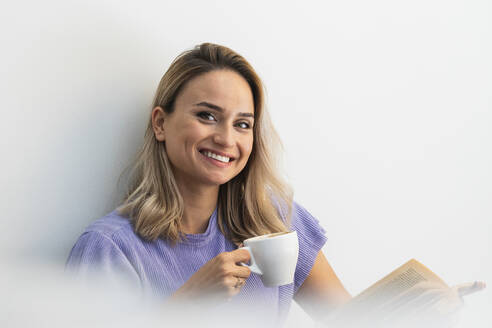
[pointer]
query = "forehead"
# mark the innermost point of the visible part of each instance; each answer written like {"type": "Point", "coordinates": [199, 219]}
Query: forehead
{"type": "Point", "coordinates": [224, 88]}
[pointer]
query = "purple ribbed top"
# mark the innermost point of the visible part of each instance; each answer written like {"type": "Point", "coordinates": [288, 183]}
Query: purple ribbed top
{"type": "Point", "coordinates": [110, 246]}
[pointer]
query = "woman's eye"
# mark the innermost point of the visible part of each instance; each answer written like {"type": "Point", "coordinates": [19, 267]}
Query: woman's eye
{"type": "Point", "coordinates": [206, 116]}
{"type": "Point", "coordinates": [244, 125]}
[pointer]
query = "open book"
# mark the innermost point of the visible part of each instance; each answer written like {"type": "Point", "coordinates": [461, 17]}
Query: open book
{"type": "Point", "coordinates": [410, 296]}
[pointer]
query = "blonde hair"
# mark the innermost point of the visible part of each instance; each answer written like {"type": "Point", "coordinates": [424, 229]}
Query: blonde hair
{"type": "Point", "coordinates": [255, 202]}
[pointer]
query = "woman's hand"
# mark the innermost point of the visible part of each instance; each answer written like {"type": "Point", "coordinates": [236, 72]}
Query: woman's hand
{"type": "Point", "coordinates": [429, 305]}
{"type": "Point", "coordinates": [218, 280]}
{"type": "Point", "coordinates": [469, 288]}
{"type": "Point", "coordinates": [426, 304]}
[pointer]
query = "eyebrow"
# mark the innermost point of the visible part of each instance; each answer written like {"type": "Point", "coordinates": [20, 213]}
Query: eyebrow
{"type": "Point", "coordinates": [221, 110]}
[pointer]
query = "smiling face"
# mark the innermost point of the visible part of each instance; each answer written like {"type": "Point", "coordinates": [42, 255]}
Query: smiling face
{"type": "Point", "coordinates": [209, 135]}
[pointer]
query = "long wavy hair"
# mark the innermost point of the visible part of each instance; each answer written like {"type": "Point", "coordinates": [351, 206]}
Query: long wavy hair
{"type": "Point", "coordinates": [257, 201]}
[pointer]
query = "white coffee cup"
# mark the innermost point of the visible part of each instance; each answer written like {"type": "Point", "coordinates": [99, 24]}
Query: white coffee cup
{"type": "Point", "coordinates": [274, 257]}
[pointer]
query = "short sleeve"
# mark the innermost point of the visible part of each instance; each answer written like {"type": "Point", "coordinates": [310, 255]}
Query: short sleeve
{"type": "Point", "coordinates": [97, 258]}
{"type": "Point", "coordinates": [311, 239]}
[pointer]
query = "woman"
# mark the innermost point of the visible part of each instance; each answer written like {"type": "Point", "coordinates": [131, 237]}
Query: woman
{"type": "Point", "coordinates": [204, 181]}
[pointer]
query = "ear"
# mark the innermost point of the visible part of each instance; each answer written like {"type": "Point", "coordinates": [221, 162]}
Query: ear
{"type": "Point", "coordinates": [158, 117]}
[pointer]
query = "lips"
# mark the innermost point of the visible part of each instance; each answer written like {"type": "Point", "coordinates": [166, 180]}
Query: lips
{"type": "Point", "coordinates": [215, 162]}
{"type": "Point", "coordinates": [203, 150]}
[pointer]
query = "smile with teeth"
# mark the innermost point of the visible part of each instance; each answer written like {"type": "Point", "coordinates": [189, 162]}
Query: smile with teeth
{"type": "Point", "coordinates": [223, 159]}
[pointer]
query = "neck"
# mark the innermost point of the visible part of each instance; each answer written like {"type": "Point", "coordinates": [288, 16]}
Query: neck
{"type": "Point", "coordinates": [199, 204]}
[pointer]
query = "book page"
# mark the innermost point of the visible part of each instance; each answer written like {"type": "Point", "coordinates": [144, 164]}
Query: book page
{"type": "Point", "coordinates": [397, 282]}
{"type": "Point", "coordinates": [410, 285]}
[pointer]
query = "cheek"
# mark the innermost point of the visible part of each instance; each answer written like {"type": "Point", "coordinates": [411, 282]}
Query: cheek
{"type": "Point", "coordinates": [247, 147]}
{"type": "Point", "coordinates": [171, 145]}
{"type": "Point", "coordinates": [185, 136]}
{"type": "Point", "coordinates": [194, 131]}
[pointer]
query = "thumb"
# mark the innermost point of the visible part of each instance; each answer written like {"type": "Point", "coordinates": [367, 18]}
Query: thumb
{"type": "Point", "coordinates": [469, 288]}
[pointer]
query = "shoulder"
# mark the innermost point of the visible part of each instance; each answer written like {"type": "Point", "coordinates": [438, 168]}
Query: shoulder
{"type": "Point", "coordinates": [298, 215]}
{"type": "Point", "coordinates": [300, 211]}
{"type": "Point", "coordinates": [111, 230]}
{"type": "Point", "coordinates": [298, 218]}
{"type": "Point", "coordinates": [102, 252]}
{"type": "Point", "coordinates": [307, 226]}
{"type": "Point", "coordinates": [109, 238]}
{"type": "Point", "coordinates": [110, 226]}
{"type": "Point", "coordinates": [290, 210]}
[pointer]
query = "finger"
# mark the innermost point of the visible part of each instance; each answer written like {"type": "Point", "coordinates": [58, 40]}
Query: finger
{"type": "Point", "coordinates": [241, 272]}
{"type": "Point", "coordinates": [469, 288]}
{"type": "Point", "coordinates": [242, 282]}
{"type": "Point", "coordinates": [240, 255]}
{"type": "Point", "coordinates": [239, 282]}
{"type": "Point", "coordinates": [233, 291]}
{"type": "Point", "coordinates": [234, 286]}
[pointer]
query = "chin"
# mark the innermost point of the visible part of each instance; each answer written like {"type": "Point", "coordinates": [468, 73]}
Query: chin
{"type": "Point", "coordinates": [221, 182]}
{"type": "Point", "coordinates": [218, 181]}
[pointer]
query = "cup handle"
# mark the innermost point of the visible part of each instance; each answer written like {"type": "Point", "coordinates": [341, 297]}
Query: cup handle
{"type": "Point", "coordinates": [253, 266]}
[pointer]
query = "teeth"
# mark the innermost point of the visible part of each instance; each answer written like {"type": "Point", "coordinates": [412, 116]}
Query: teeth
{"type": "Point", "coordinates": [217, 157]}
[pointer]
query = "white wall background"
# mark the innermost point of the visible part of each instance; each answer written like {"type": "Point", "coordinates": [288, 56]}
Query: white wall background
{"type": "Point", "coordinates": [384, 108]}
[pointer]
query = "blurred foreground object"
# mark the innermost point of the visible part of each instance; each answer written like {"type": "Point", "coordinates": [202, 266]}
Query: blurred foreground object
{"type": "Point", "coordinates": [39, 295]}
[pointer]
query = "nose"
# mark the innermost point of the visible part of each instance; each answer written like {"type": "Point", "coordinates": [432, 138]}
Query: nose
{"type": "Point", "coordinates": [224, 136]}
